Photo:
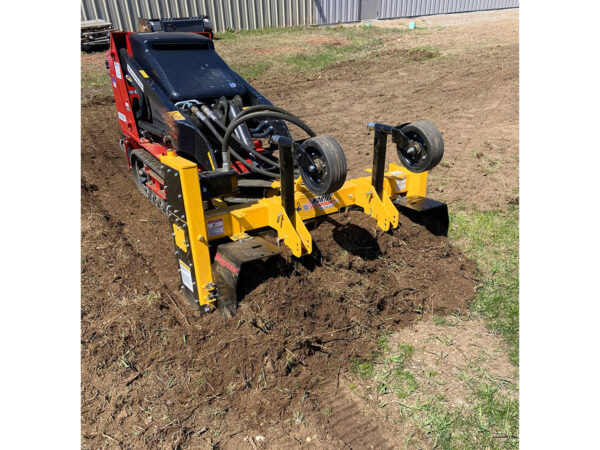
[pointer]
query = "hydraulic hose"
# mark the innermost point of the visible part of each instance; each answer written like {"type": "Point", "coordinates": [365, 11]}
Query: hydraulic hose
{"type": "Point", "coordinates": [268, 111]}
{"type": "Point", "coordinates": [251, 167]}
{"type": "Point", "coordinates": [225, 154]}
{"type": "Point", "coordinates": [249, 148]}
{"type": "Point", "coordinates": [251, 109]}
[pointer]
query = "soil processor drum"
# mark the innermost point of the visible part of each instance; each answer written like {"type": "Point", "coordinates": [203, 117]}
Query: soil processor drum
{"type": "Point", "coordinates": [221, 162]}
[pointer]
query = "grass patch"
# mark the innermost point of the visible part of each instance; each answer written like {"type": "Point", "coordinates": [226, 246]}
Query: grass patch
{"type": "Point", "coordinates": [364, 368]}
{"type": "Point", "coordinates": [439, 320]}
{"type": "Point", "coordinates": [404, 382]}
{"type": "Point", "coordinates": [251, 71]}
{"type": "Point", "coordinates": [490, 421]}
{"type": "Point", "coordinates": [232, 34]}
{"type": "Point", "coordinates": [96, 77]}
{"type": "Point", "coordinates": [491, 239]}
{"type": "Point", "coordinates": [419, 54]}
{"type": "Point", "coordinates": [299, 49]}
{"type": "Point", "coordinates": [327, 55]}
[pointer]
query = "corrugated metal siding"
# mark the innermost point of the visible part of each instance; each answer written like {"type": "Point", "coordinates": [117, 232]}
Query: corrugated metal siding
{"type": "Point", "coordinates": [250, 14]}
{"type": "Point", "coordinates": [236, 14]}
{"type": "Point", "coordinates": [337, 11]}
{"type": "Point", "coordinates": [389, 9]}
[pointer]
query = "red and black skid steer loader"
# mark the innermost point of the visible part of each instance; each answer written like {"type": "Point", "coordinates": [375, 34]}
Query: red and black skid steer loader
{"type": "Point", "coordinates": [222, 163]}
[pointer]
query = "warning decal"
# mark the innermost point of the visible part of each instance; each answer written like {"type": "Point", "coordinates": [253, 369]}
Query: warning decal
{"type": "Point", "coordinates": [186, 276]}
{"type": "Point", "coordinates": [215, 226]}
{"type": "Point", "coordinates": [176, 115]}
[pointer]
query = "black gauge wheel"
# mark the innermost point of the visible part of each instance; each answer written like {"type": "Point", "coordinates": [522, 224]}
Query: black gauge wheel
{"type": "Point", "coordinates": [328, 173]}
{"type": "Point", "coordinates": [427, 149]}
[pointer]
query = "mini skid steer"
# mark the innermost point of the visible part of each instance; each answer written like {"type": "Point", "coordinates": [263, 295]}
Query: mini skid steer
{"type": "Point", "coordinates": [225, 165]}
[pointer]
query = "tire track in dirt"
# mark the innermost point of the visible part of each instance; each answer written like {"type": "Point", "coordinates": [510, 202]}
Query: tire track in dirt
{"type": "Point", "coordinates": [351, 426]}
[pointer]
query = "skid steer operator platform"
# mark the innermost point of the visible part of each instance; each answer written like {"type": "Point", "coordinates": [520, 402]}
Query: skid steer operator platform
{"type": "Point", "coordinates": [221, 162]}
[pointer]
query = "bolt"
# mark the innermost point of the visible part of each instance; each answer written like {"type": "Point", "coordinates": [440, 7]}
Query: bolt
{"type": "Point", "coordinates": [311, 168]}
{"type": "Point", "coordinates": [168, 170]}
{"type": "Point", "coordinates": [176, 211]}
{"type": "Point", "coordinates": [204, 189]}
{"type": "Point", "coordinates": [350, 196]}
{"type": "Point", "coordinates": [179, 196]}
{"type": "Point", "coordinates": [201, 238]}
{"type": "Point", "coordinates": [176, 174]}
{"type": "Point", "coordinates": [410, 151]}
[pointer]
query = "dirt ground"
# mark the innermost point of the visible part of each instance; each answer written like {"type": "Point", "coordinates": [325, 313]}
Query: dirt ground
{"type": "Point", "coordinates": [157, 374]}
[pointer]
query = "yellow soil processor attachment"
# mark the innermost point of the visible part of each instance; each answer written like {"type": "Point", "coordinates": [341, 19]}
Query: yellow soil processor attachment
{"type": "Point", "coordinates": [215, 156]}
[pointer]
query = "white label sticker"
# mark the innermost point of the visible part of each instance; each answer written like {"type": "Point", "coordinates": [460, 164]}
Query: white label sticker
{"type": "Point", "coordinates": [122, 116]}
{"type": "Point", "coordinates": [118, 70]}
{"type": "Point", "coordinates": [216, 226]}
{"type": "Point", "coordinates": [134, 76]}
{"type": "Point", "coordinates": [400, 184]}
{"type": "Point", "coordinates": [186, 276]}
{"type": "Point", "coordinates": [321, 202]}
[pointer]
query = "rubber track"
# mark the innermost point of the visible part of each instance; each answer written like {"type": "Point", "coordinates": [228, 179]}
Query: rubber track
{"type": "Point", "coordinates": [155, 165]}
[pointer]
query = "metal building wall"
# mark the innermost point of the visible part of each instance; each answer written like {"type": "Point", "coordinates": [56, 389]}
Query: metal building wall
{"type": "Point", "coordinates": [236, 14]}
{"type": "Point", "coordinates": [389, 9]}
{"type": "Point", "coordinates": [251, 14]}
{"type": "Point", "coordinates": [336, 11]}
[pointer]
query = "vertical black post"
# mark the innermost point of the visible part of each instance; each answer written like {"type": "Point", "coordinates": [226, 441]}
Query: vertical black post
{"type": "Point", "coordinates": [379, 145]}
{"type": "Point", "coordinates": [286, 164]}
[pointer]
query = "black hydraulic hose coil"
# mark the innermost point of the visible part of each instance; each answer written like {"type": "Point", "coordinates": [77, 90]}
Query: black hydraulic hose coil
{"type": "Point", "coordinates": [263, 111]}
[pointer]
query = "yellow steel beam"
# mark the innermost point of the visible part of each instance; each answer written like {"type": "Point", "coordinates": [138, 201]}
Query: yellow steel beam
{"type": "Point", "coordinates": [238, 219]}
{"type": "Point", "coordinates": [195, 222]}
{"type": "Point", "coordinates": [235, 221]}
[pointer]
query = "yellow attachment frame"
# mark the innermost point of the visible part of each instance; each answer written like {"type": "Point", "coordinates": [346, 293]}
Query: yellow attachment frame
{"type": "Point", "coordinates": [194, 227]}
{"type": "Point", "coordinates": [189, 227]}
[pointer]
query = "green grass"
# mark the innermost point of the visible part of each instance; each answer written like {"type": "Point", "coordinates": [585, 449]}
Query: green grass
{"type": "Point", "coordinates": [491, 239]}
{"type": "Point", "coordinates": [491, 420]}
{"type": "Point", "coordinates": [251, 71]}
{"type": "Point", "coordinates": [488, 419]}
{"type": "Point", "coordinates": [354, 42]}
{"type": "Point", "coordinates": [95, 78]}
{"type": "Point", "coordinates": [231, 34]}
{"type": "Point", "coordinates": [364, 368]}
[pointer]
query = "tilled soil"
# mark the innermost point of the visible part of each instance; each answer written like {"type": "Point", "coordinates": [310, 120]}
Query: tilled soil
{"type": "Point", "coordinates": [155, 373]}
